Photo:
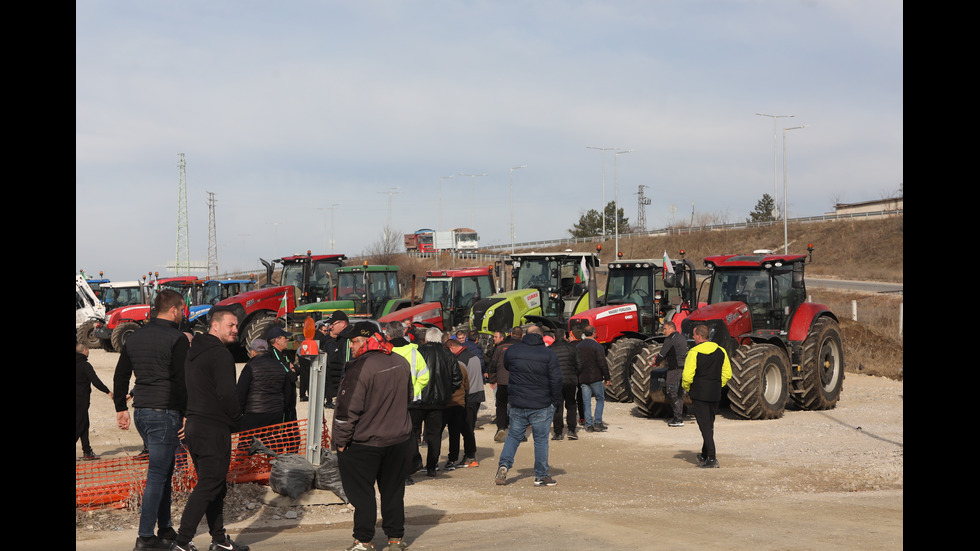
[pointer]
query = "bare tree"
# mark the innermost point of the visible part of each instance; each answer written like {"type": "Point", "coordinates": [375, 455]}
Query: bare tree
{"type": "Point", "coordinates": [386, 248]}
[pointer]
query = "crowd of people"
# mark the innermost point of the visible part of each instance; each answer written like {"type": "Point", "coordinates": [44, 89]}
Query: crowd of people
{"type": "Point", "coordinates": [394, 390]}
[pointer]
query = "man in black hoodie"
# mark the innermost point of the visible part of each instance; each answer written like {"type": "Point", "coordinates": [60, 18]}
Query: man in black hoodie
{"type": "Point", "coordinates": [212, 415]}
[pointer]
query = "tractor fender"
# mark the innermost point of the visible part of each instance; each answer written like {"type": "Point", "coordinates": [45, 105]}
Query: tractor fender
{"type": "Point", "coordinates": [803, 319]}
{"type": "Point", "coordinates": [543, 321]}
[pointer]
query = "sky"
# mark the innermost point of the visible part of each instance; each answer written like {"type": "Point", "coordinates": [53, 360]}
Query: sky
{"type": "Point", "coordinates": [313, 125]}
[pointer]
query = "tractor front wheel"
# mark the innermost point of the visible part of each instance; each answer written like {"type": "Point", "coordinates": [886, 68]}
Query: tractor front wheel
{"type": "Point", "coordinates": [822, 367]}
{"type": "Point", "coordinates": [620, 361]}
{"type": "Point", "coordinates": [759, 387]}
{"type": "Point", "coordinates": [121, 333]}
{"type": "Point", "coordinates": [650, 402]}
{"type": "Point", "coordinates": [85, 334]}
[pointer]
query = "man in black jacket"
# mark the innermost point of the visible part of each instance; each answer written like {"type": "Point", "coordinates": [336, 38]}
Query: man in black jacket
{"type": "Point", "coordinates": [444, 378]}
{"type": "Point", "coordinates": [592, 378]}
{"type": "Point", "coordinates": [674, 351]}
{"type": "Point", "coordinates": [155, 355]}
{"type": "Point", "coordinates": [535, 391]}
{"type": "Point", "coordinates": [570, 363]}
{"type": "Point", "coordinates": [336, 349]}
{"type": "Point", "coordinates": [212, 415]}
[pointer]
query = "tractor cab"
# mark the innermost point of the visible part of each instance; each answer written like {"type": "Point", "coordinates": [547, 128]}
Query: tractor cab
{"type": "Point", "coordinates": [311, 276]}
{"type": "Point", "coordinates": [771, 286]}
{"type": "Point", "coordinates": [557, 277]}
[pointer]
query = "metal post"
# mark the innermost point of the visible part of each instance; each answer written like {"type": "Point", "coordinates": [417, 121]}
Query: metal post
{"type": "Point", "coordinates": [314, 421]}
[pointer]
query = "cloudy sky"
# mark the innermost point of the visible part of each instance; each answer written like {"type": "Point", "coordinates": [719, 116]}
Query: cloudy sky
{"type": "Point", "coordinates": [318, 120]}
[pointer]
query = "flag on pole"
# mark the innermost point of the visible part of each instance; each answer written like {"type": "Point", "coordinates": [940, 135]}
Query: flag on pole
{"type": "Point", "coordinates": [282, 306]}
{"type": "Point", "coordinates": [583, 272]}
{"type": "Point", "coordinates": [668, 266]}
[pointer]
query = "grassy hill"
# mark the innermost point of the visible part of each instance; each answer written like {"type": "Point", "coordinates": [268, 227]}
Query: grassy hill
{"type": "Point", "coordinates": [862, 250]}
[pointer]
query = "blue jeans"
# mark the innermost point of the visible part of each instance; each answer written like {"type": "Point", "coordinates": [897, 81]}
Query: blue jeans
{"type": "Point", "coordinates": [159, 432]}
{"type": "Point", "coordinates": [540, 422]}
{"type": "Point", "coordinates": [588, 392]}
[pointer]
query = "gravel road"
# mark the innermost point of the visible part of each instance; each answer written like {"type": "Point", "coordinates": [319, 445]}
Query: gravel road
{"type": "Point", "coordinates": [808, 481]}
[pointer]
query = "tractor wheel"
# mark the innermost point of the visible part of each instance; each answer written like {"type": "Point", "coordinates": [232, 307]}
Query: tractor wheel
{"type": "Point", "coordinates": [121, 333]}
{"type": "Point", "coordinates": [651, 403]}
{"type": "Point", "coordinates": [620, 359]}
{"type": "Point", "coordinates": [257, 328]}
{"type": "Point", "coordinates": [200, 326]}
{"type": "Point", "coordinates": [85, 334]}
{"type": "Point", "coordinates": [759, 387]}
{"type": "Point", "coordinates": [822, 367]}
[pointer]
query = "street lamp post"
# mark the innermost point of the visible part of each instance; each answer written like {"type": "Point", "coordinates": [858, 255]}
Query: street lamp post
{"type": "Point", "coordinates": [602, 211]}
{"type": "Point", "coordinates": [473, 200]}
{"type": "Point", "coordinates": [775, 198]}
{"type": "Point", "coordinates": [785, 212]}
{"type": "Point", "coordinates": [512, 206]}
{"type": "Point", "coordinates": [441, 178]}
{"type": "Point", "coordinates": [332, 207]}
{"type": "Point", "coordinates": [616, 209]}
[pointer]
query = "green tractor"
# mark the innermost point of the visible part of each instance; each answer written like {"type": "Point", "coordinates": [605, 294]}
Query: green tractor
{"type": "Point", "coordinates": [548, 289]}
{"type": "Point", "coordinates": [365, 292]}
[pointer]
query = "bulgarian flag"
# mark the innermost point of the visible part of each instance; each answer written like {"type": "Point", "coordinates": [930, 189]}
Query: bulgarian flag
{"type": "Point", "coordinates": [668, 266]}
{"type": "Point", "coordinates": [583, 272]}
{"type": "Point", "coordinates": [282, 307]}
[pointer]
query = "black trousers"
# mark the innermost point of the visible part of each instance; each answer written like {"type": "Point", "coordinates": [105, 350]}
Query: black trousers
{"type": "Point", "coordinates": [454, 418]}
{"type": "Point", "coordinates": [503, 419]}
{"type": "Point", "coordinates": [704, 414]}
{"type": "Point", "coordinates": [81, 426]}
{"type": "Point", "coordinates": [432, 419]}
{"type": "Point", "coordinates": [570, 408]}
{"type": "Point", "coordinates": [360, 468]}
{"type": "Point", "coordinates": [210, 449]}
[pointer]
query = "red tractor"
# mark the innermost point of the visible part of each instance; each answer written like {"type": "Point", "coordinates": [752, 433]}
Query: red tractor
{"type": "Point", "coordinates": [447, 298]}
{"type": "Point", "coordinates": [133, 301]}
{"type": "Point", "coordinates": [640, 296]}
{"type": "Point", "coordinates": [782, 348]}
{"type": "Point", "coordinates": [303, 279]}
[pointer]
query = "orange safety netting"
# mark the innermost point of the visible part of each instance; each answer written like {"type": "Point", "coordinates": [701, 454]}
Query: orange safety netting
{"type": "Point", "coordinates": [118, 482]}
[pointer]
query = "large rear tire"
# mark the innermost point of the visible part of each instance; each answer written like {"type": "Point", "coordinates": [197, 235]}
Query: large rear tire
{"type": "Point", "coordinates": [257, 328]}
{"type": "Point", "coordinates": [759, 388]}
{"type": "Point", "coordinates": [822, 367]}
{"type": "Point", "coordinates": [651, 403]}
{"type": "Point", "coordinates": [620, 360]}
{"type": "Point", "coordinates": [121, 333]}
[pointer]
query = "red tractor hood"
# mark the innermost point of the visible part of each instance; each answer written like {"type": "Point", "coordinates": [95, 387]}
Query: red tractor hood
{"type": "Point", "coordinates": [429, 313]}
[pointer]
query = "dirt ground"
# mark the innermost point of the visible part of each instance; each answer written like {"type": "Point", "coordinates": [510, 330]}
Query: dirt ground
{"type": "Point", "coordinates": [808, 481]}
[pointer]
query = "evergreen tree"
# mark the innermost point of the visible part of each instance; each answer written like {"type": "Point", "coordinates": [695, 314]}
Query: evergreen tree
{"type": "Point", "coordinates": [764, 210]}
{"type": "Point", "coordinates": [590, 223]}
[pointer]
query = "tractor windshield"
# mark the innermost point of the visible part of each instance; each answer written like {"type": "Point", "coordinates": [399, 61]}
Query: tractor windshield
{"type": "Point", "coordinates": [212, 293]}
{"type": "Point", "coordinates": [631, 286]}
{"type": "Point", "coordinates": [766, 294]}
{"type": "Point", "coordinates": [292, 274]}
{"type": "Point", "coordinates": [383, 285]}
{"type": "Point", "coordinates": [535, 274]}
{"type": "Point", "coordinates": [437, 290]}
{"type": "Point", "coordinates": [117, 297]}
{"type": "Point", "coordinates": [322, 279]}
{"type": "Point", "coordinates": [471, 289]}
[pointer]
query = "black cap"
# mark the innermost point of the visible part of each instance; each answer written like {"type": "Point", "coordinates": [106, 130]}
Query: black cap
{"type": "Point", "coordinates": [337, 315]}
{"type": "Point", "coordinates": [359, 329]}
{"type": "Point", "coordinates": [275, 332]}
